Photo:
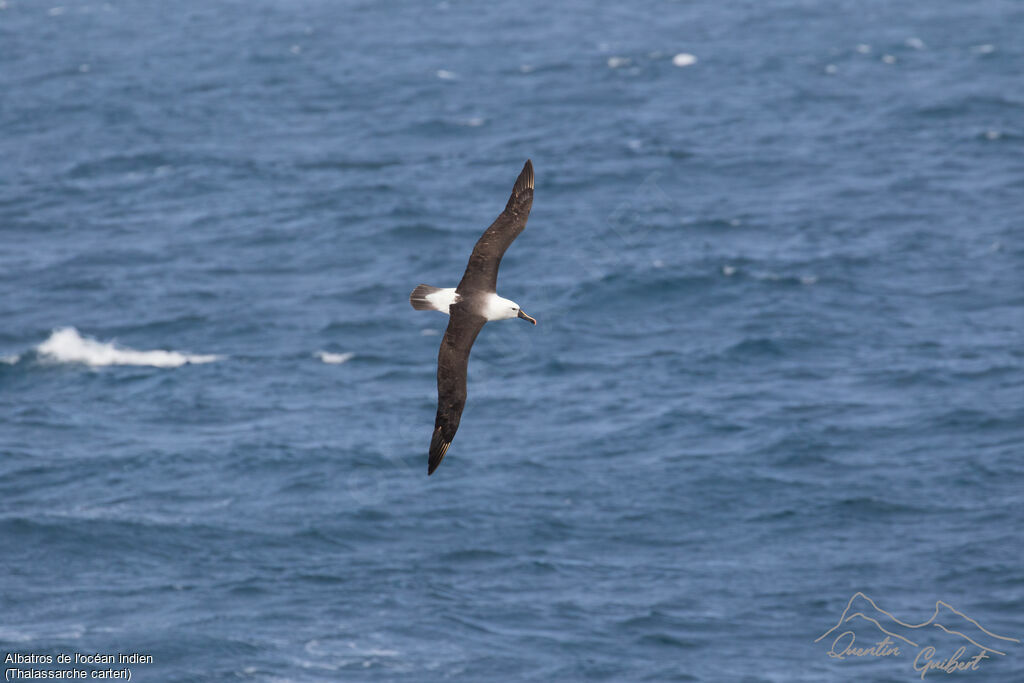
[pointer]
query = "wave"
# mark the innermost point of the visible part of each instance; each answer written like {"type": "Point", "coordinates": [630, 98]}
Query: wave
{"type": "Point", "coordinates": [66, 345]}
{"type": "Point", "coordinates": [334, 358]}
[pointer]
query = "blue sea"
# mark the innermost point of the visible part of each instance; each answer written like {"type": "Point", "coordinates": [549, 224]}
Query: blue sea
{"type": "Point", "coordinates": [777, 384]}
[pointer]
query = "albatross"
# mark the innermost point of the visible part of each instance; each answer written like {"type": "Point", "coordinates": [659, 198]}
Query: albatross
{"type": "Point", "coordinates": [474, 302]}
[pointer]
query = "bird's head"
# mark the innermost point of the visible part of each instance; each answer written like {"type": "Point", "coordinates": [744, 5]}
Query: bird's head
{"type": "Point", "coordinates": [519, 313]}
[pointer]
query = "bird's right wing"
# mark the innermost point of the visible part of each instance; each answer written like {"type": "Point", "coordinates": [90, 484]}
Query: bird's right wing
{"type": "Point", "coordinates": [482, 269]}
{"type": "Point", "coordinates": [452, 368]}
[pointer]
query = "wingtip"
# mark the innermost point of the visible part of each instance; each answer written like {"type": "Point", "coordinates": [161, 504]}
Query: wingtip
{"type": "Point", "coordinates": [527, 174]}
{"type": "Point", "coordinates": [438, 449]}
{"type": "Point", "coordinates": [523, 183]}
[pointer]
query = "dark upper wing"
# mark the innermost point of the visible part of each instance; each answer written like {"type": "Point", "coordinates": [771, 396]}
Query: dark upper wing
{"type": "Point", "coordinates": [452, 367]}
{"type": "Point", "coordinates": [482, 270]}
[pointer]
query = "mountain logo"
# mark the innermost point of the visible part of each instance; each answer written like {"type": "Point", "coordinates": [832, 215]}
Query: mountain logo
{"type": "Point", "coordinates": [946, 629]}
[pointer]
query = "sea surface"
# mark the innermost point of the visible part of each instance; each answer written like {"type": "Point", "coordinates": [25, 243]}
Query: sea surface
{"type": "Point", "coordinates": [775, 254]}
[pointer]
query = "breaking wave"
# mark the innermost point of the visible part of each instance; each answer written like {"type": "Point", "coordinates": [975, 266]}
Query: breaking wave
{"type": "Point", "coordinates": [334, 358]}
{"type": "Point", "coordinates": [66, 345]}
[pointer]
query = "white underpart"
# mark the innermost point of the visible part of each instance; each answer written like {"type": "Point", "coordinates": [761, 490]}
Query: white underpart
{"type": "Point", "coordinates": [442, 299]}
{"type": "Point", "coordinates": [497, 308]}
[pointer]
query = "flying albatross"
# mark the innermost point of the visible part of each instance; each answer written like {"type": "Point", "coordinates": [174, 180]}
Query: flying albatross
{"type": "Point", "coordinates": [474, 302]}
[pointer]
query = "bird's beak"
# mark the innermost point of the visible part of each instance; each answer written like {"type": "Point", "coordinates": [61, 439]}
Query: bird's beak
{"type": "Point", "coordinates": [526, 317]}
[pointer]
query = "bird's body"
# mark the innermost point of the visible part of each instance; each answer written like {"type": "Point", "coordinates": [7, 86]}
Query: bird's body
{"type": "Point", "coordinates": [489, 305]}
{"type": "Point", "coordinates": [469, 306]}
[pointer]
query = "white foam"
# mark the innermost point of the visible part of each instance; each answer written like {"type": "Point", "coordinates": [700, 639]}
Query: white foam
{"type": "Point", "coordinates": [864, 48]}
{"type": "Point", "coordinates": [889, 59]}
{"type": "Point", "coordinates": [65, 345]}
{"type": "Point", "coordinates": [334, 358]}
{"type": "Point", "coordinates": [831, 69]}
{"type": "Point", "coordinates": [915, 43]}
{"type": "Point", "coordinates": [616, 62]}
{"type": "Point", "coordinates": [10, 360]}
{"type": "Point", "coordinates": [684, 59]}
{"type": "Point", "coordinates": [445, 75]}
{"type": "Point", "coordinates": [728, 271]}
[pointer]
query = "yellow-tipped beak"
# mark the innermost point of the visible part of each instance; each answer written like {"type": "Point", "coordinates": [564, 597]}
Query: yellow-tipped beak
{"type": "Point", "coordinates": [526, 317]}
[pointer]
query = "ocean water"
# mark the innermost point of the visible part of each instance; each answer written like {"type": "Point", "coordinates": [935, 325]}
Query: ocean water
{"type": "Point", "coordinates": [775, 254]}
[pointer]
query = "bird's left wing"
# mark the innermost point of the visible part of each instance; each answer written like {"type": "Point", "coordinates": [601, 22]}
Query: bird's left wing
{"type": "Point", "coordinates": [452, 368]}
{"type": "Point", "coordinates": [482, 269]}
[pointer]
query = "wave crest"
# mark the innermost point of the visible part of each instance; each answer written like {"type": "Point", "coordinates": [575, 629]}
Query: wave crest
{"type": "Point", "coordinates": [66, 345]}
{"type": "Point", "coordinates": [334, 358]}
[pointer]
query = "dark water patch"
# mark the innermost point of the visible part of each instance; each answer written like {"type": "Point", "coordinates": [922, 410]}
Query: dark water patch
{"type": "Point", "coordinates": [120, 164]}
{"type": "Point", "coordinates": [866, 508]}
{"type": "Point", "coordinates": [969, 105]}
{"type": "Point", "coordinates": [342, 164]}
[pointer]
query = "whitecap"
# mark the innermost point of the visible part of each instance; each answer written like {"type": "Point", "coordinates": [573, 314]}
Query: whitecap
{"type": "Point", "coordinates": [65, 345]}
{"type": "Point", "coordinates": [915, 43]}
{"type": "Point", "coordinates": [445, 75]}
{"type": "Point", "coordinates": [831, 69]}
{"type": "Point", "coordinates": [985, 49]}
{"type": "Point", "coordinates": [616, 62]}
{"type": "Point", "coordinates": [10, 360]}
{"type": "Point", "coordinates": [684, 59]}
{"type": "Point", "coordinates": [888, 59]}
{"type": "Point", "coordinates": [864, 48]}
{"type": "Point", "coordinates": [728, 271]}
{"type": "Point", "coordinates": [334, 358]}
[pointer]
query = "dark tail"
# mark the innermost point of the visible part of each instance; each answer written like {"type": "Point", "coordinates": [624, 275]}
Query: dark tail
{"type": "Point", "coordinates": [419, 300]}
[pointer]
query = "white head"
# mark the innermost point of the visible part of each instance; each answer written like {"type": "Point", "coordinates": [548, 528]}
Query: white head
{"type": "Point", "coordinates": [503, 309]}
